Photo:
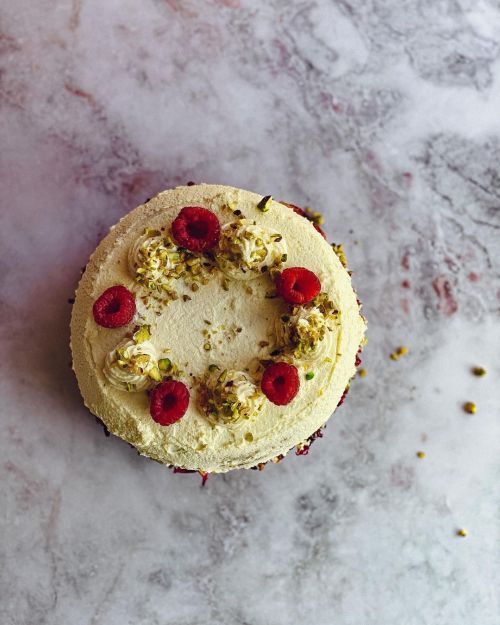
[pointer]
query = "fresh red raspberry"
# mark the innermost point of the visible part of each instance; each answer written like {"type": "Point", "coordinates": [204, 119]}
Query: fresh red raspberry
{"type": "Point", "coordinates": [168, 402]}
{"type": "Point", "coordinates": [297, 285]}
{"type": "Point", "coordinates": [280, 383]}
{"type": "Point", "coordinates": [196, 228]}
{"type": "Point", "coordinates": [114, 308]}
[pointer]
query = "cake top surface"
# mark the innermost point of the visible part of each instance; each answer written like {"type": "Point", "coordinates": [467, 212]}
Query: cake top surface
{"type": "Point", "coordinates": [214, 321]}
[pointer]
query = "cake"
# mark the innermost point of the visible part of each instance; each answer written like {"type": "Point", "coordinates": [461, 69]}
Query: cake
{"type": "Point", "coordinates": [215, 329]}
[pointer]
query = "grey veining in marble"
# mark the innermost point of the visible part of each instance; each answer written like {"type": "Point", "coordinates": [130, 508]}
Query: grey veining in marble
{"type": "Point", "coordinates": [384, 114]}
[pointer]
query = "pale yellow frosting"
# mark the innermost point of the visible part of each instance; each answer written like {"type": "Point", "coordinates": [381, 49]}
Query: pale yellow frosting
{"type": "Point", "coordinates": [241, 331]}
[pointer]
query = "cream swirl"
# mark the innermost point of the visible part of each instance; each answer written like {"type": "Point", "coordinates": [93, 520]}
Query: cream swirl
{"type": "Point", "coordinates": [130, 365]}
{"type": "Point", "coordinates": [229, 398]}
{"type": "Point", "coordinates": [245, 249]}
{"type": "Point", "coordinates": [307, 332]}
{"type": "Point", "coordinates": [153, 260]}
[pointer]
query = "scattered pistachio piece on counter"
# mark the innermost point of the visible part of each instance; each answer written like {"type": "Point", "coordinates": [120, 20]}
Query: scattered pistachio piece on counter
{"type": "Point", "coordinates": [479, 371]}
{"type": "Point", "coordinates": [398, 352]}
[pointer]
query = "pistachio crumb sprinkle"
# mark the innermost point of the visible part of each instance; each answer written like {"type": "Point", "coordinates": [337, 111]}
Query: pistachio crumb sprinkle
{"type": "Point", "coordinates": [421, 454]}
{"type": "Point", "coordinates": [265, 203]}
{"type": "Point", "coordinates": [479, 371]}
{"type": "Point", "coordinates": [309, 375]}
{"type": "Point", "coordinates": [462, 532]}
{"type": "Point", "coordinates": [362, 373]}
{"type": "Point", "coordinates": [470, 407]}
{"type": "Point", "coordinates": [164, 364]}
{"type": "Point", "coordinates": [398, 352]}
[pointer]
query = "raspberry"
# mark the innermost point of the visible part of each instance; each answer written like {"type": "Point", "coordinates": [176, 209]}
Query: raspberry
{"type": "Point", "coordinates": [168, 402]}
{"type": "Point", "coordinates": [196, 229]}
{"type": "Point", "coordinates": [280, 383]}
{"type": "Point", "coordinates": [114, 308]}
{"type": "Point", "coordinates": [297, 285]}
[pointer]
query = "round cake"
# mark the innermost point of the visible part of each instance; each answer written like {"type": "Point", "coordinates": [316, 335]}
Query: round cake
{"type": "Point", "coordinates": [215, 329]}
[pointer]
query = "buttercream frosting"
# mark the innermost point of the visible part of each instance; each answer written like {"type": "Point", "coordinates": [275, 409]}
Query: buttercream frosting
{"type": "Point", "coordinates": [227, 321]}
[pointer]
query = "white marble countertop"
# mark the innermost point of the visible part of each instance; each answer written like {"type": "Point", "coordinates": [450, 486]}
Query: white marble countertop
{"type": "Point", "coordinates": [383, 114]}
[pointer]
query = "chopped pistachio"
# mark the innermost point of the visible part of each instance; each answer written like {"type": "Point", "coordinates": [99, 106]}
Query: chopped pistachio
{"type": "Point", "coordinates": [402, 351]}
{"type": "Point", "coordinates": [155, 374]}
{"type": "Point", "coordinates": [151, 232]}
{"type": "Point", "coordinates": [207, 347]}
{"type": "Point", "coordinates": [339, 251]}
{"type": "Point", "coordinates": [462, 532]}
{"type": "Point", "coordinates": [284, 258]}
{"type": "Point", "coordinates": [213, 368]}
{"type": "Point", "coordinates": [142, 334]}
{"type": "Point", "coordinates": [470, 407]}
{"type": "Point", "coordinates": [186, 298]}
{"type": "Point", "coordinates": [309, 375]}
{"type": "Point", "coordinates": [479, 371]}
{"type": "Point", "coordinates": [421, 454]}
{"type": "Point", "coordinates": [314, 216]}
{"type": "Point", "coordinates": [265, 203]}
{"type": "Point", "coordinates": [362, 373]}
{"type": "Point", "coordinates": [248, 437]}
{"type": "Point", "coordinates": [194, 287]}
{"type": "Point", "coordinates": [165, 364]}
{"type": "Point", "coordinates": [209, 323]}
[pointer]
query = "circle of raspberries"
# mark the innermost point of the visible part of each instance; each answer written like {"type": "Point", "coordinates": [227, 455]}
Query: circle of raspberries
{"type": "Point", "coordinates": [280, 383]}
{"type": "Point", "coordinates": [196, 228]}
{"type": "Point", "coordinates": [114, 308]}
{"type": "Point", "coordinates": [297, 285]}
{"type": "Point", "coordinates": [168, 402]}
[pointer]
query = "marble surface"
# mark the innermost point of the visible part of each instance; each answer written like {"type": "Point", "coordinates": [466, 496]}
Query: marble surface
{"type": "Point", "coordinates": [381, 113]}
